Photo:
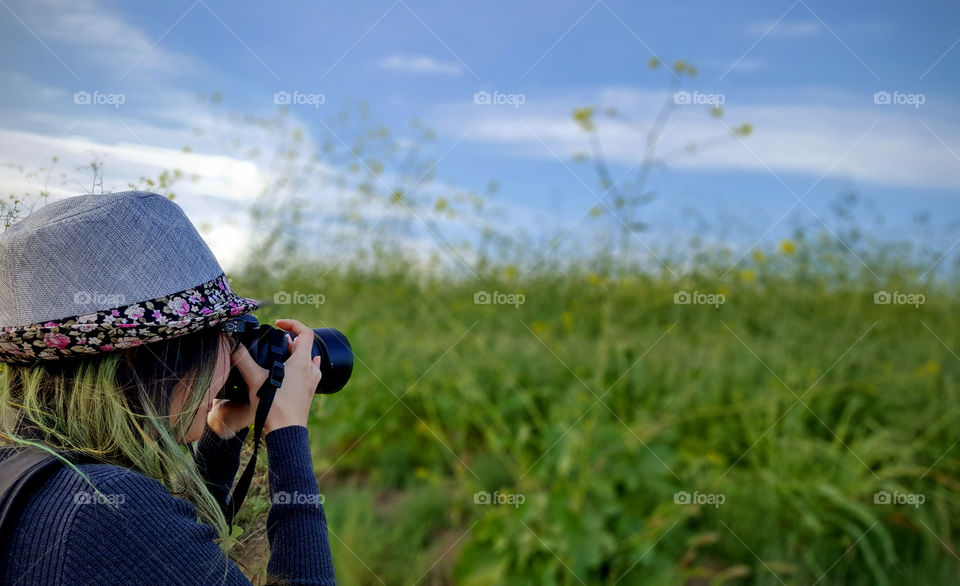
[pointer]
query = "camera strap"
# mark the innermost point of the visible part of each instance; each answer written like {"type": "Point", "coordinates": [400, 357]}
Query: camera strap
{"type": "Point", "coordinates": [265, 393]}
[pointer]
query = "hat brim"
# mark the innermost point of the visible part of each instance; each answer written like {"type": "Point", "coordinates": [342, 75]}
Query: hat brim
{"type": "Point", "coordinates": [204, 306]}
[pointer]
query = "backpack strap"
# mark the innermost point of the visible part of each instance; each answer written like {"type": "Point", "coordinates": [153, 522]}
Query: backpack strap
{"type": "Point", "coordinates": [20, 475]}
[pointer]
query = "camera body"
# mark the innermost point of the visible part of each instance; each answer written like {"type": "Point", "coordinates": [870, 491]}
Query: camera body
{"type": "Point", "coordinates": [268, 345]}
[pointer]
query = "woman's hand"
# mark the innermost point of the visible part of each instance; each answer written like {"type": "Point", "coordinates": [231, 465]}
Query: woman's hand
{"type": "Point", "coordinates": [301, 375]}
{"type": "Point", "coordinates": [291, 404]}
{"type": "Point", "coordinates": [227, 417]}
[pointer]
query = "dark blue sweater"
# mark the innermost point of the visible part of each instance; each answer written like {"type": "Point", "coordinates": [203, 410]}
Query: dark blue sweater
{"type": "Point", "coordinates": [68, 534]}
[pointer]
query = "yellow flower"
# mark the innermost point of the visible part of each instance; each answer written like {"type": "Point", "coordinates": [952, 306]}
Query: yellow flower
{"type": "Point", "coordinates": [787, 247]}
{"type": "Point", "coordinates": [510, 272]}
{"type": "Point", "coordinates": [748, 275]}
{"type": "Point", "coordinates": [716, 458]}
{"type": "Point", "coordinates": [759, 257]}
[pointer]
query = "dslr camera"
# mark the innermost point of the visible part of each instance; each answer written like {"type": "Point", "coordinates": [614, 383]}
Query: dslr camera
{"type": "Point", "coordinates": [268, 345]}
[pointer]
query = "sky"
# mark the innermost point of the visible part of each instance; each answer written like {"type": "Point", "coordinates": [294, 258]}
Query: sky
{"type": "Point", "coordinates": [850, 97]}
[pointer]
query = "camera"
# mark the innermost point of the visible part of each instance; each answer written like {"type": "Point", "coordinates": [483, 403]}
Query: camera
{"type": "Point", "coordinates": [268, 345]}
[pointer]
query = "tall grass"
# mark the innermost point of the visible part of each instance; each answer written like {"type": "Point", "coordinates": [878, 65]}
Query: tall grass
{"type": "Point", "coordinates": [798, 402]}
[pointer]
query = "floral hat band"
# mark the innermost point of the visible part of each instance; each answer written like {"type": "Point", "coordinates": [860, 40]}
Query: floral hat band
{"type": "Point", "coordinates": [126, 326]}
{"type": "Point", "coordinates": [139, 246]}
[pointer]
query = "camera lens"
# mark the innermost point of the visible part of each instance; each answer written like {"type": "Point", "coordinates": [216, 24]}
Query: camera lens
{"type": "Point", "coordinates": [336, 357]}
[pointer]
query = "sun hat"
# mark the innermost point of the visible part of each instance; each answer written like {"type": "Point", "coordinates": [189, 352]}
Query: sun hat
{"type": "Point", "coordinates": [91, 274]}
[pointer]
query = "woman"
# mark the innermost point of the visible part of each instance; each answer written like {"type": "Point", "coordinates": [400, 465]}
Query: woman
{"type": "Point", "coordinates": [120, 367]}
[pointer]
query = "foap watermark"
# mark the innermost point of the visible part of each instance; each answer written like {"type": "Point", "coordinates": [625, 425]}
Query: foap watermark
{"type": "Point", "coordinates": [98, 498]}
{"type": "Point", "coordinates": [298, 498]}
{"type": "Point", "coordinates": [298, 98]}
{"type": "Point", "coordinates": [499, 498]}
{"type": "Point", "coordinates": [699, 298]}
{"type": "Point", "coordinates": [896, 98]}
{"type": "Point", "coordinates": [298, 298]}
{"type": "Point", "coordinates": [498, 298]}
{"type": "Point", "coordinates": [899, 298]}
{"type": "Point", "coordinates": [99, 299]}
{"type": "Point", "coordinates": [85, 98]}
{"type": "Point", "coordinates": [699, 498]}
{"type": "Point", "coordinates": [685, 98]}
{"type": "Point", "coordinates": [484, 98]}
{"type": "Point", "coordinates": [882, 497]}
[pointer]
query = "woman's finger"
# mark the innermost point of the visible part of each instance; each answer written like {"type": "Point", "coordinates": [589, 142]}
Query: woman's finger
{"type": "Point", "coordinates": [241, 359]}
{"type": "Point", "coordinates": [291, 325]}
{"type": "Point", "coordinates": [245, 363]}
{"type": "Point", "coordinates": [253, 374]}
{"type": "Point", "coordinates": [303, 343]}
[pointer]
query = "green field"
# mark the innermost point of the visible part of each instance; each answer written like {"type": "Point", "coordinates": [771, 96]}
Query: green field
{"type": "Point", "coordinates": [784, 412]}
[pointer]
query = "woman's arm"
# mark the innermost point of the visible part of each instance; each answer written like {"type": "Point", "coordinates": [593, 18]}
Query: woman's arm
{"type": "Point", "coordinates": [296, 524]}
{"type": "Point", "coordinates": [218, 460]}
{"type": "Point", "coordinates": [141, 534]}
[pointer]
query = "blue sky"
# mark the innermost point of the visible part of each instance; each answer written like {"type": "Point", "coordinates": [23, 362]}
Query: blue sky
{"type": "Point", "coordinates": [804, 73]}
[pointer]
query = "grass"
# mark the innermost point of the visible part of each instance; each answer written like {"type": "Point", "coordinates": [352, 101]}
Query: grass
{"type": "Point", "coordinates": [599, 399]}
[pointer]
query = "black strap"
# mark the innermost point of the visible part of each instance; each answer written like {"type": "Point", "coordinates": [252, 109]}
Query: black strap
{"type": "Point", "coordinates": [265, 393]}
{"type": "Point", "coordinates": [23, 472]}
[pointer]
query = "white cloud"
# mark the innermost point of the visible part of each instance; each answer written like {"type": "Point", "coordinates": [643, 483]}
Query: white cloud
{"type": "Point", "coordinates": [218, 201]}
{"type": "Point", "coordinates": [791, 135]}
{"type": "Point", "coordinates": [420, 64]}
{"type": "Point", "coordinates": [125, 163]}
{"type": "Point", "coordinates": [92, 39]}
{"type": "Point", "coordinates": [146, 136]}
{"type": "Point", "coordinates": [36, 91]}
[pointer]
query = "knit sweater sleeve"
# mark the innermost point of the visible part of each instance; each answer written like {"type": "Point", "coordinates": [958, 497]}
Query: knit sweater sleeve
{"type": "Point", "coordinates": [136, 532]}
{"type": "Point", "coordinates": [296, 524]}
{"type": "Point", "coordinates": [218, 460]}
